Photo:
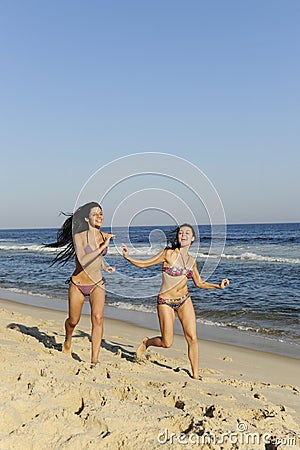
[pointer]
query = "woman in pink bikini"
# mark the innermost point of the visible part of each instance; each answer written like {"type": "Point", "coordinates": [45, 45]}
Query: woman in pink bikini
{"type": "Point", "coordinates": [80, 235]}
{"type": "Point", "coordinates": [177, 267]}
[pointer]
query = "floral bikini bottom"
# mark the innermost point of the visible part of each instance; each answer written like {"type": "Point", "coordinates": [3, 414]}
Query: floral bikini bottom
{"type": "Point", "coordinates": [174, 303]}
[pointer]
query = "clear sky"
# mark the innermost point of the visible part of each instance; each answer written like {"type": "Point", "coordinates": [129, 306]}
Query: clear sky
{"type": "Point", "coordinates": [85, 82]}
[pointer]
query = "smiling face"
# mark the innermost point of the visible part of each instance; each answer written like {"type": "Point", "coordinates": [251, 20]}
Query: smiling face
{"type": "Point", "coordinates": [185, 236]}
{"type": "Point", "coordinates": [95, 218]}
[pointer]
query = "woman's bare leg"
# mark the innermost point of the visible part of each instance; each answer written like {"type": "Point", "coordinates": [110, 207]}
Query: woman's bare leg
{"type": "Point", "coordinates": [166, 317]}
{"type": "Point", "coordinates": [187, 317]}
{"type": "Point", "coordinates": [76, 299]}
{"type": "Point", "coordinates": [97, 300]}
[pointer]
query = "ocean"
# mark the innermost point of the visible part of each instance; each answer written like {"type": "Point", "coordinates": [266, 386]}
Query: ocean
{"type": "Point", "coordinates": [262, 262]}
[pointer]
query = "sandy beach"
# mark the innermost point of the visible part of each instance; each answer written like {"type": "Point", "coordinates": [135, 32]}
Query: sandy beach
{"type": "Point", "coordinates": [51, 401]}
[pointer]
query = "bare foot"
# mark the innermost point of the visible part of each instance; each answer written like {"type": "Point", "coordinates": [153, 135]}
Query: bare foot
{"type": "Point", "coordinates": [66, 348]}
{"type": "Point", "coordinates": [197, 377]}
{"type": "Point", "coordinates": [142, 348]}
{"type": "Point", "coordinates": [94, 364]}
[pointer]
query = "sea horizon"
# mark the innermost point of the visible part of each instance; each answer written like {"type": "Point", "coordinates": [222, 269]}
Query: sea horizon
{"type": "Point", "coordinates": [157, 225]}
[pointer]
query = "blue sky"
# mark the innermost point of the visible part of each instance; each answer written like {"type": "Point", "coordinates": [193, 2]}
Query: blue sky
{"type": "Point", "coordinates": [84, 83]}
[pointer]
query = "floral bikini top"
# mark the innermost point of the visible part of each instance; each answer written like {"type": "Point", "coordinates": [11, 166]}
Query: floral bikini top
{"type": "Point", "coordinates": [174, 271]}
{"type": "Point", "coordinates": [177, 271]}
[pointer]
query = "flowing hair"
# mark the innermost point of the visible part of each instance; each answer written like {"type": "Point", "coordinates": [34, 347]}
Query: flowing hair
{"type": "Point", "coordinates": [173, 240]}
{"type": "Point", "coordinates": [75, 223]}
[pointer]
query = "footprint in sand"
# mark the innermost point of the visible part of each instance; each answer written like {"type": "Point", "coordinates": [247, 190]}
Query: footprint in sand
{"type": "Point", "coordinates": [155, 384]}
{"type": "Point", "coordinates": [290, 387]}
{"type": "Point", "coordinates": [227, 359]}
{"type": "Point", "coordinates": [211, 371]}
{"type": "Point", "coordinates": [259, 396]}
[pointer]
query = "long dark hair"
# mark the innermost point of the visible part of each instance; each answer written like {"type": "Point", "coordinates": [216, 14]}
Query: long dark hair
{"type": "Point", "coordinates": [173, 240]}
{"type": "Point", "coordinates": [75, 223]}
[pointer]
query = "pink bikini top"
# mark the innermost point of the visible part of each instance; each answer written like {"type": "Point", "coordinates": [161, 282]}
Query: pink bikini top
{"type": "Point", "coordinates": [177, 271]}
{"type": "Point", "coordinates": [88, 249]}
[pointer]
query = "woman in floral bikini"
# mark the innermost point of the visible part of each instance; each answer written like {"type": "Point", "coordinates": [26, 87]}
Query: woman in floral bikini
{"type": "Point", "coordinates": [177, 267]}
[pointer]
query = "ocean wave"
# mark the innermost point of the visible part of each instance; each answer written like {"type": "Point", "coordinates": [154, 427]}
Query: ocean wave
{"type": "Point", "coordinates": [26, 292]}
{"type": "Point", "coordinates": [248, 256]}
{"type": "Point", "coordinates": [263, 239]}
{"type": "Point", "coordinates": [146, 251]}
{"type": "Point", "coordinates": [132, 307]}
{"type": "Point", "coordinates": [34, 248]}
{"type": "Point", "coordinates": [113, 250]}
{"type": "Point", "coordinates": [248, 328]}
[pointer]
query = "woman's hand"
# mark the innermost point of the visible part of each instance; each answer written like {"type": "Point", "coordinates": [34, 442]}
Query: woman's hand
{"type": "Point", "coordinates": [224, 283]}
{"type": "Point", "coordinates": [110, 269]}
{"type": "Point", "coordinates": [125, 251]}
{"type": "Point", "coordinates": [107, 239]}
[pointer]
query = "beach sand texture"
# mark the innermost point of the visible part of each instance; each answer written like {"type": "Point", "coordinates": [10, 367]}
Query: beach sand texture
{"type": "Point", "coordinates": [52, 401]}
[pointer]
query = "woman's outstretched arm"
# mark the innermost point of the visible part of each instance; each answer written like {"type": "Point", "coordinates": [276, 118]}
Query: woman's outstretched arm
{"type": "Point", "coordinates": [143, 263]}
{"type": "Point", "coordinates": [199, 283]}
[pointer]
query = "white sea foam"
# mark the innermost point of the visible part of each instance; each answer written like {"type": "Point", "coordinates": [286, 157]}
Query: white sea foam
{"type": "Point", "coordinates": [133, 307]}
{"type": "Point", "coordinates": [146, 251]}
{"type": "Point", "coordinates": [29, 247]}
{"type": "Point", "coordinates": [24, 291]}
{"type": "Point", "coordinates": [239, 327]}
{"type": "Point", "coordinates": [255, 257]}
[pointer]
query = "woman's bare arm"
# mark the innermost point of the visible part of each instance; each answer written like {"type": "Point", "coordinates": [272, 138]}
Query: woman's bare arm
{"type": "Point", "coordinates": [143, 263]}
{"type": "Point", "coordinates": [87, 258]}
{"type": "Point", "coordinates": [199, 283]}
